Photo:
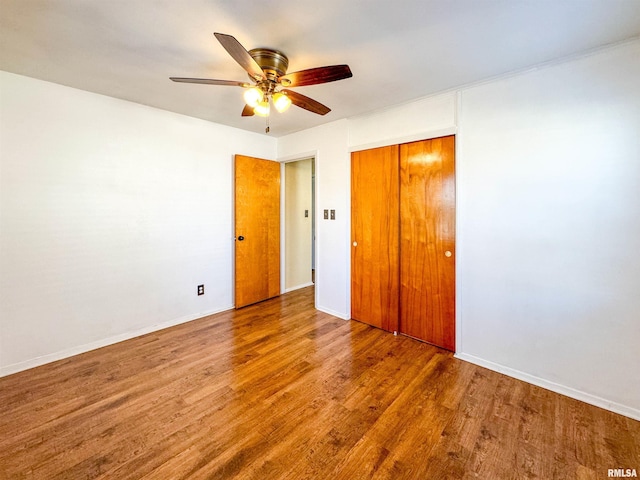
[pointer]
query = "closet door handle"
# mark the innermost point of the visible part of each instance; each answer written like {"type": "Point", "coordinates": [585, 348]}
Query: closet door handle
{"type": "Point", "coordinates": [447, 253]}
{"type": "Point", "coordinates": [355, 244]}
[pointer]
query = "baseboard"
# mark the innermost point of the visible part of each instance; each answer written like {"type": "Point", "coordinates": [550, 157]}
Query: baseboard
{"type": "Point", "coordinates": [298, 287]}
{"type": "Point", "coordinates": [70, 352]}
{"type": "Point", "coordinates": [554, 387]}
{"type": "Point", "coordinates": [341, 315]}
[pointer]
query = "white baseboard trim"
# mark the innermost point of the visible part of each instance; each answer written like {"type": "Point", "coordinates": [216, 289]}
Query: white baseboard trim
{"type": "Point", "coordinates": [341, 315]}
{"type": "Point", "coordinates": [554, 387]}
{"type": "Point", "coordinates": [298, 287]}
{"type": "Point", "coordinates": [70, 352]}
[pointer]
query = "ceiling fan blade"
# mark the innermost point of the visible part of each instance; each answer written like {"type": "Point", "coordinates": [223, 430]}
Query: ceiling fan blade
{"type": "Point", "coordinates": [247, 111]}
{"type": "Point", "coordinates": [210, 81]}
{"type": "Point", "coordinates": [240, 55]}
{"type": "Point", "coordinates": [314, 76]}
{"type": "Point", "coordinates": [307, 103]}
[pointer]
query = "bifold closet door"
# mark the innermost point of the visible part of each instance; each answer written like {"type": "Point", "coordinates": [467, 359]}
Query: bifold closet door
{"type": "Point", "coordinates": [375, 237]}
{"type": "Point", "coordinates": [427, 241]}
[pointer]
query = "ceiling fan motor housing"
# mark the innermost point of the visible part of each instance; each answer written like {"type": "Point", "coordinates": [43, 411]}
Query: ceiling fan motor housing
{"type": "Point", "coordinates": [273, 62]}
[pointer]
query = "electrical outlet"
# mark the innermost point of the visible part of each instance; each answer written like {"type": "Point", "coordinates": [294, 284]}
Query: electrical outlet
{"type": "Point", "coordinates": [200, 289]}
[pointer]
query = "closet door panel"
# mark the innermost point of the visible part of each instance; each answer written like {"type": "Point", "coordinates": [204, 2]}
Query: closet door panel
{"type": "Point", "coordinates": [375, 237]}
{"type": "Point", "coordinates": [427, 241]}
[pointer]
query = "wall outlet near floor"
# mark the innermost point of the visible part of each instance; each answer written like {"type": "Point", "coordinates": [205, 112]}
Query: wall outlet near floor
{"type": "Point", "coordinates": [200, 289]}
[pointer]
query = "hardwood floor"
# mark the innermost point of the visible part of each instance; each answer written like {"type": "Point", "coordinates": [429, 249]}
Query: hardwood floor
{"type": "Point", "coordinates": [279, 390]}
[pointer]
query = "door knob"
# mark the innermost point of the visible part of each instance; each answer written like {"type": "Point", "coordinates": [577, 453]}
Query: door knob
{"type": "Point", "coordinates": [355, 244]}
{"type": "Point", "coordinates": [240, 238]}
{"type": "Point", "coordinates": [447, 253]}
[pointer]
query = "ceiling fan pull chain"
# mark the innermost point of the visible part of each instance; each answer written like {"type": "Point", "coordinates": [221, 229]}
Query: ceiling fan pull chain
{"type": "Point", "coordinates": [266, 130]}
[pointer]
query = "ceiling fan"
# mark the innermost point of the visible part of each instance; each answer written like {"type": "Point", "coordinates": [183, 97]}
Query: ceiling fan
{"type": "Point", "coordinates": [267, 69]}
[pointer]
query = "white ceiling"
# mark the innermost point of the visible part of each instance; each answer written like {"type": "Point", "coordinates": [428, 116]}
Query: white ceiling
{"type": "Point", "coordinates": [398, 50]}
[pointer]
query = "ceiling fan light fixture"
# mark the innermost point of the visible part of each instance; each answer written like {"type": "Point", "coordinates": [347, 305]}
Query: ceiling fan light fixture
{"type": "Point", "coordinates": [253, 96]}
{"type": "Point", "coordinates": [262, 108]}
{"type": "Point", "coordinates": [281, 101]}
{"type": "Point", "coordinates": [267, 69]}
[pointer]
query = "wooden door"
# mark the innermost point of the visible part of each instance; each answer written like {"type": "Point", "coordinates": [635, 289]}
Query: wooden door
{"type": "Point", "coordinates": [257, 230]}
{"type": "Point", "coordinates": [427, 226]}
{"type": "Point", "coordinates": [375, 237]}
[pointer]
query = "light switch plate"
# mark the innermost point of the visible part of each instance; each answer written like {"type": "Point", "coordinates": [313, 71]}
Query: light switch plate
{"type": "Point", "coordinates": [326, 214]}
{"type": "Point", "coordinates": [333, 214]}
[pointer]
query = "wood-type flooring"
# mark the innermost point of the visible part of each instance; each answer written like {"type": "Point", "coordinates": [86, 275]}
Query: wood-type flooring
{"type": "Point", "coordinates": [279, 390]}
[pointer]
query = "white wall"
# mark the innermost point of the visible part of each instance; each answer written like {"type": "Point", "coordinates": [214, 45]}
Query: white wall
{"type": "Point", "coordinates": [298, 240]}
{"type": "Point", "coordinates": [548, 209]}
{"type": "Point", "coordinates": [328, 144]}
{"type": "Point", "coordinates": [332, 145]}
{"type": "Point", "coordinates": [428, 117]}
{"type": "Point", "coordinates": [111, 213]}
{"type": "Point", "coordinates": [549, 227]}
{"type": "Point", "coordinates": [548, 175]}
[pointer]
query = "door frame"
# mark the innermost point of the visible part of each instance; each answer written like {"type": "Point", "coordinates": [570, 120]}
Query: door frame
{"type": "Point", "coordinates": [313, 154]}
{"type": "Point", "coordinates": [283, 216]}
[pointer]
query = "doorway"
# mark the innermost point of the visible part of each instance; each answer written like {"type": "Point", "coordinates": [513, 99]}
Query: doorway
{"type": "Point", "coordinates": [299, 223]}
